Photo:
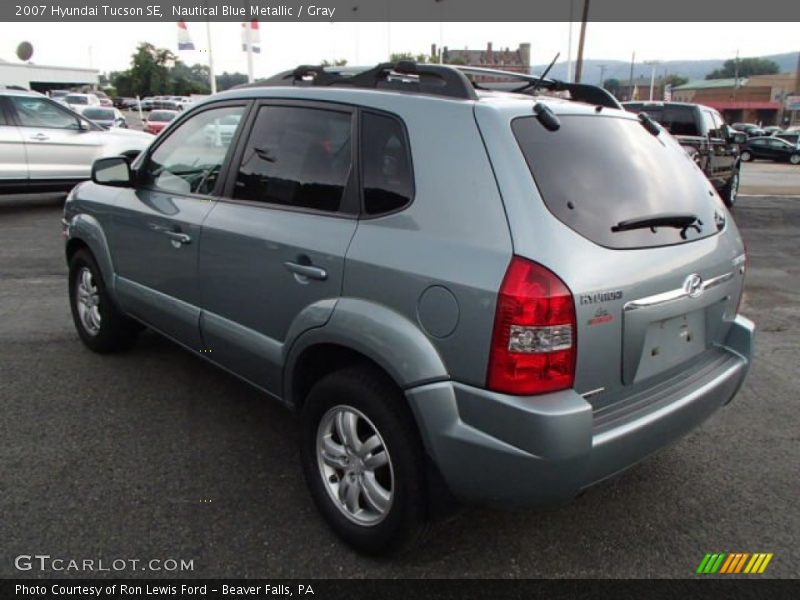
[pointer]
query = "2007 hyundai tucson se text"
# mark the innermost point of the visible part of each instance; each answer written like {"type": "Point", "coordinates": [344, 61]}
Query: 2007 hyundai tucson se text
{"type": "Point", "coordinates": [499, 296]}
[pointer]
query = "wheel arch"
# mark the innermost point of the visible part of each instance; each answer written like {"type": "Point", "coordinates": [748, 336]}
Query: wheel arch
{"type": "Point", "coordinates": [85, 231]}
{"type": "Point", "coordinates": [361, 332]}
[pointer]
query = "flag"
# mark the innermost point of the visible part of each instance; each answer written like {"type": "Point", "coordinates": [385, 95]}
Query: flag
{"type": "Point", "coordinates": [250, 35]}
{"type": "Point", "coordinates": [184, 40]}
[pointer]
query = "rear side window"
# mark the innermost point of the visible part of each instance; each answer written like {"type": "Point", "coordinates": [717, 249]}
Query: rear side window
{"type": "Point", "coordinates": [387, 178]}
{"type": "Point", "coordinates": [596, 172]}
{"type": "Point", "coordinates": [3, 120]}
{"type": "Point", "coordinates": [296, 157]}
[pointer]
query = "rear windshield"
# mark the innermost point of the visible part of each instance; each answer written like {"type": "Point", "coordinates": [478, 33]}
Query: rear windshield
{"type": "Point", "coordinates": [595, 172]}
{"type": "Point", "coordinates": [76, 99]}
{"type": "Point", "coordinates": [163, 116]}
{"type": "Point", "coordinates": [100, 114]}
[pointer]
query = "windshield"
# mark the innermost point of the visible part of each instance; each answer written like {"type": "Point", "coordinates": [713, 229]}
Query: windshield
{"type": "Point", "coordinates": [99, 114]}
{"type": "Point", "coordinates": [70, 99]}
{"type": "Point", "coordinates": [596, 172]}
{"type": "Point", "coordinates": [162, 116]}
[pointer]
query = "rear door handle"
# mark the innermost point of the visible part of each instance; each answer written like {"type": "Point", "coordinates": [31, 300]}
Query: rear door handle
{"type": "Point", "coordinates": [308, 271]}
{"type": "Point", "coordinates": [40, 137]}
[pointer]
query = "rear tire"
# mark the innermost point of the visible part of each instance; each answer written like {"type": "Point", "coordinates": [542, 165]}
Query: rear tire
{"type": "Point", "coordinates": [100, 325]}
{"type": "Point", "coordinates": [795, 159]}
{"type": "Point", "coordinates": [351, 421]}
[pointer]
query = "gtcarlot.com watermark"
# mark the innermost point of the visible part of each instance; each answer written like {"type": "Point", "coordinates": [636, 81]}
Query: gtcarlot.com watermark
{"type": "Point", "coordinates": [45, 562]}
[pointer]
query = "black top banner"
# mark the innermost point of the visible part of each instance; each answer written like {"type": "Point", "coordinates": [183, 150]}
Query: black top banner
{"type": "Point", "coordinates": [399, 10]}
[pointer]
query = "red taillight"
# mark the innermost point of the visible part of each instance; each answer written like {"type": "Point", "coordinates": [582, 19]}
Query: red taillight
{"type": "Point", "coordinates": [533, 344]}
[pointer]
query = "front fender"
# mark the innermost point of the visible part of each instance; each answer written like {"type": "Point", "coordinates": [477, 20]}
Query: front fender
{"type": "Point", "coordinates": [383, 335]}
{"type": "Point", "coordinates": [88, 230]}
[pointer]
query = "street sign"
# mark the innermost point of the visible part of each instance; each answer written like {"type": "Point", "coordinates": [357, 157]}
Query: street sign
{"type": "Point", "coordinates": [792, 102]}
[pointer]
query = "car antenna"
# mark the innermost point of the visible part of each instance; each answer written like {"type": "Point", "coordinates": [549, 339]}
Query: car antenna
{"type": "Point", "coordinates": [539, 81]}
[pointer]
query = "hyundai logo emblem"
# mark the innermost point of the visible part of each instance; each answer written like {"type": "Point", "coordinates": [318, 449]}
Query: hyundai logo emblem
{"type": "Point", "coordinates": [693, 285]}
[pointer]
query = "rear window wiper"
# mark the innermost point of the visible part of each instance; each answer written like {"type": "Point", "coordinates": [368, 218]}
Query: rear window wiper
{"type": "Point", "coordinates": [682, 221]}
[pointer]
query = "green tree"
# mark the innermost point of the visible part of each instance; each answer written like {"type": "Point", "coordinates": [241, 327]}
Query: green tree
{"type": "Point", "coordinates": [149, 73]}
{"type": "Point", "coordinates": [675, 80]}
{"type": "Point", "coordinates": [612, 85]}
{"type": "Point", "coordinates": [746, 68]}
{"type": "Point", "coordinates": [228, 80]}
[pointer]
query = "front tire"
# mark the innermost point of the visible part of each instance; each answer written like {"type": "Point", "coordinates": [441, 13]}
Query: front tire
{"type": "Point", "coordinates": [731, 190]}
{"type": "Point", "coordinates": [795, 159]}
{"type": "Point", "coordinates": [746, 156]}
{"type": "Point", "coordinates": [363, 461]}
{"type": "Point", "coordinates": [100, 325]}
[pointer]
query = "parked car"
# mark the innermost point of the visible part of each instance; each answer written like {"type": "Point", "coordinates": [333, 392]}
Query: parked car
{"type": "Point", "coordinates": [78, 102]}
{"type": "Point", "coordinates": [772, 130]}
{"type": "Point", "coordinates": [106, 117]}
{"type": "Point", "coordinates": [489, 295]}
{"type": "Point", "coordinates": [46, 146]}
{"type": "Point", "coordinates": [158, 120]}
{"type": "Point", "coordinates": [751, 129]}
{"type": "Point", "coordinates": [123, 102]}
{"type": "Point", "coordinates": [147, 103]}
{"type": "Point", "coordinates": [56, 94]}
{"type": "Point", "coordinates": [702, 131]}
{"type": "Point", "coordinates": [771, 148]}
{"type": "Point", "coordinates": [792, 138]}
{"type": "Point", "coordinates": [104, 99]}
{"type": "Point", "coordinates": [184, 102]}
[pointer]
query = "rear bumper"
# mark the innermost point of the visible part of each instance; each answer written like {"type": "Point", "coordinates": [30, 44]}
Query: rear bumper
{"type": "Point", "coordinates": [519, 451]}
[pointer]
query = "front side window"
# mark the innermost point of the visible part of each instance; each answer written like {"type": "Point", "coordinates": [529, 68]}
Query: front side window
{"type": "Point", "coordinates": [388, 180]}
{"type": "Point", "coordinates": [41, 112]}
{"type": "Point", "coordinates": [190, 158]}
{"type": "Point", "coordinates": [296, 157]}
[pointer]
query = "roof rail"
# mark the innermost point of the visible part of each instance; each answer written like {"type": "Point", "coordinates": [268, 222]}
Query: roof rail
{"type": "Point", "coordinates": [580, 92]}
{"type": "Point", "coordinates": [403, 76]}
{"type": "Point", "coordinates": [440, 80]}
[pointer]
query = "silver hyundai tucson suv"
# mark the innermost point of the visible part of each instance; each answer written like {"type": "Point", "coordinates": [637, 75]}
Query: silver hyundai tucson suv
{"type": "Point", "coordinates": [501, 293]}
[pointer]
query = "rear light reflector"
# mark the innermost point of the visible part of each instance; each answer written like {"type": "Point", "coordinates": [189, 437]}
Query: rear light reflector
{"type": "Point", "coordinates": [533, 344]}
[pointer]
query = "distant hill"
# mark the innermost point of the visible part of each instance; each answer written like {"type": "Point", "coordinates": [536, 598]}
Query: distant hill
{"type": "Point", "coordinates": [692, 69]}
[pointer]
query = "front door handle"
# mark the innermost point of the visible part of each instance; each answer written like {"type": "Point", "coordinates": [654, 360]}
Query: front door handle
{"type": "Point", "coordinates": [40, 137]}
{"type": "Point", "coordinates": [309, 271]}
{"type": "Point", "coordinates": [177, 236]}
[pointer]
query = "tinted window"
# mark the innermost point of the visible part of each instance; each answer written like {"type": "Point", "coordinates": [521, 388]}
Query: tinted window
{"type": "Point", "coordinates": [40, 112]}
{"type": "Point", "coordinates": [3, 120]}
{"type": "Point", "coordinates": [710, 125]}
{"type": "Point", "coordinates": [162, 116]}
{"type": "Point", "coordinates": [100, 114]}
{"type": "Point", "coordinates": [678, 120]}
{"type": "Point", "coordinates": [76, 99]}
{"type": "Point", "coordinates": [595, 172]}
{"type": "Point", "coordinates": [388, 180]}
{"type": "Point", "coordinates": [298, 157]}
{"type": "Point", "coordinates": [190, 158]}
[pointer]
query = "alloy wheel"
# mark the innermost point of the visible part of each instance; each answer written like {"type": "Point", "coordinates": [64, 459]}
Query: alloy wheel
{"type": "Point", "coordinates": [88, 301]}
{"type": "Point", "coordinates": [355, 465]}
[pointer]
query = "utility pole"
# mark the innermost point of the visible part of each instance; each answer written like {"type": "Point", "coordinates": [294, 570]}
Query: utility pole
{"type": "Point", "coordinates": [569, 41]}
{"type": "Point", "coordinates": [579, 65]}
{"type": "Point", "coordinates": [652, 64]}
{"type": "Point", "coordinates": [630, 78]}
{"type": "Point", "coordinates": [212, 79]}
{"type": "Point", "coordinates": [602, 75]}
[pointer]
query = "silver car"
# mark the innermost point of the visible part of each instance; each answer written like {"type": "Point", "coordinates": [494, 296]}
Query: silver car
{"type": "Point", "coordinates": [45, 145]}
{"type": "Point", "coordinates": [501, 297]}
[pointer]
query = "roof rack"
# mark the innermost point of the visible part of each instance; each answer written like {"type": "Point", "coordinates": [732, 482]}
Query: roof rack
{"type": "Point", "coordinates": [580, 92]}
{"type": "Point", "coordinates": [406, 76]}
{"type": "Point", "coordinates": [441, 80]}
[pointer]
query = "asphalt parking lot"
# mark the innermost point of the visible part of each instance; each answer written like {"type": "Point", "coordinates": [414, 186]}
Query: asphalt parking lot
{"type": "Point", "coordinates": [156, 454]}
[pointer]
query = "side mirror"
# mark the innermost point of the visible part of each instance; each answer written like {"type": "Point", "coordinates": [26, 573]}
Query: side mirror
{"type": "Point", "coordinates": [114, 171]}
{"type": "Point", "coordinates": [738, 137]}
